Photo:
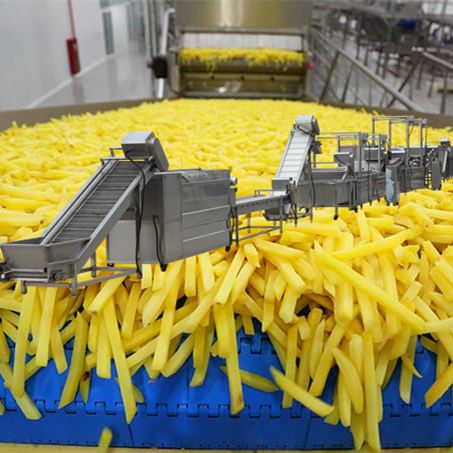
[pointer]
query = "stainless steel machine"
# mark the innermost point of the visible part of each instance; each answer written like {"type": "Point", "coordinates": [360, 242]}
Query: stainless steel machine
{"type": "Point", "coordinates": [251, 24]}
{"type": "Point", "coordinates": [150, 214]}
{"type": "Point", "coordinates": [415, 164]}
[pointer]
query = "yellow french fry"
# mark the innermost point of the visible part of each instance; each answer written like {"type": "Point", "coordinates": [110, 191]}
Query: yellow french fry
{"type": "Point", "coordinates": [203, 362]}
{"type": "Point", "coordinates": [326, 360]}
{"type": "Point", "coordinates": [104, 295]}
{"type": "Point", "coordinates": [316, 405]}
{"type": "Point", "coordinates": [103, 351]}
{"type": "Point", "coordinates": [18, 382]}
{"type": "Point", "coordinates": [290, 366]}
{"type": "Point", "coordinates": [206, 271]}
{"type": "Point", "coordinates": [155, 304]}
{"type": "Point", "coordinates": [190, 276]}
{"type": "Point", "coordinates": [42, 352]}
{"type": "Point", "coordinates": [163, 340]}
{"type": "Point", "coordinates": [252, 255]}
{"type": "Point", "coordinates": [77, 365]}
{"type": "Point", "coordinates": [255, 380]}
{"type": "Point", "coordinates": [105, 440]}
{"type": "Point", "coordinates": [371, 398]}
{"type": "Point", "coordinates": [316, 347]}
{"type": "Point", "coordinates": [177, 360]}
{"type": "Point", "coordinates": [440, 386]}
{"type": "Point", "coordinates": [24, 402]}
{"type": "Point", "coordinates": [147, 277]}
{"type": "Point", "coordinates": [373, 291]}
{"type": "Point", "coordinates": [351, 379]}
{"type": "Point", "coordinates": [119, 357]}
{"type": "Point", "coordinates": [227, 284]}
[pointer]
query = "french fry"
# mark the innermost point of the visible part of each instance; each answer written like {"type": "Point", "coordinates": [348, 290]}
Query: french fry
{"type": "Point", "coordinates": [104, 352]}
{"type": "Point", "coordinates": [24, 402]}
{"type": "Point", "coordinates": [316, 347]}
{"type": "Point", "coordinates": [344, 402]}
{"type": "Point", "coordinates": [105, 440]}
{"type": "Point", "coordinates": [371, 401]}
{"type": "Point", "coordinates": [290, 366]}
{"type": "Point", "coordinates": [18, 382]}
{"type": "Point", "coordinates": [256, 381]}
{"type": "Point", "coordinates": [373, 291]}
{"type": "Point", "coordinates": [351, 379]}
{"type": "Point", "coordinates": [326, 360]}
{"type": "Point", "coordinates": [5, 352]}
{"type": "Point", "coordinates": [104, 295]}
{"type": "Point", "coordinates": [288, 305]}
{"type": "Point", "coordinates": [227, 283]}
{"type": "Point", "coordinates": [252, 255]}
{"type": "Point", "coordinates": [154, 305]}
{"type": "Point", "coordinates": [77, 365]}
{"type": "Point", "coordinates": [206, 271]}
{"type": "Point", "coordinates": [203, 362]}
{"type": "Point", "coordinates": [190, 276]}
{"type": "Point", "coordinates": [316, 405]}
{"type": "Point", "coordinates": [440, 386]}
{"type": "Point", "coordinates": [176, 361]}
{"type": "Point", "coordinates": [131, 310]}
{"type": "Point", "coordinates": [124, 377]}
{"type": "Point", "coordinates": [163, 340]}
{"type": "Point", "coordinates": [42, 353]}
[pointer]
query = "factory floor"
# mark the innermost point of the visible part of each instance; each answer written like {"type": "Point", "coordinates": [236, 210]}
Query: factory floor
{"type": "Point", "coordinates": [121, 76]}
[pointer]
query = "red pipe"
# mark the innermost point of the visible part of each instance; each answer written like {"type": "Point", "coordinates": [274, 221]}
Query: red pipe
{"type": "Point", "coordinates": [71, 44]}
{"type": "Point", "coordinates": [71, 20]}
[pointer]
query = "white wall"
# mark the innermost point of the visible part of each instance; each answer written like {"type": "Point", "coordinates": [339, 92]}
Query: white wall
{"type": "Point", "coordinates": [119, 25]}
{"type": "Point", "coordinates": [33, 57]}
{"type": "Point", "coordinates": [89, 32]}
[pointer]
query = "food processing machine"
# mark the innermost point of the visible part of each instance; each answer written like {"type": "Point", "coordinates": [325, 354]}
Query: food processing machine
{"type": "Point", "coordinates": [150, 214]}
{"type": "Point", "coordinates": [239, 24]}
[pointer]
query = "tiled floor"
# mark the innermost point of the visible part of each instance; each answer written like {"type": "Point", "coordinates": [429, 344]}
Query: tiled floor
{"type": "Point", "coordinates": [118, 77]}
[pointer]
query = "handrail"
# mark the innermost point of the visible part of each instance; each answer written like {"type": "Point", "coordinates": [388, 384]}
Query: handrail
{"type": "Point", "coordinates": [402, 99]}
{"type": "Point", "coordinates": [437, 60]}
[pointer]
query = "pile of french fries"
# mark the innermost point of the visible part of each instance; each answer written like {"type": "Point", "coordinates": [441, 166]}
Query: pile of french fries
{"type": "Point", "coordinates": [356, 293]}
{"type": "Point", "coordinates": [212, 56]}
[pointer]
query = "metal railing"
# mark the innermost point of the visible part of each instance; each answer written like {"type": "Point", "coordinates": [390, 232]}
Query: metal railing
{"type": "Point", "coordinates": [338, 77]}
{"type": "Point", "coordinates": [440, 70]}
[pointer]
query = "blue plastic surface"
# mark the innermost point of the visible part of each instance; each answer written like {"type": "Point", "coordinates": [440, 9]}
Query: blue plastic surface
{"type": "Point", "coordinates": [176, 415]}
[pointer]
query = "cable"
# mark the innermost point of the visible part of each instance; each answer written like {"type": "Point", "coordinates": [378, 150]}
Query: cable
{"type": "Point", "coordinates": [138, 217]}
{"type": "Point", "coordinates": [230, 224]}
{"type": "Point", "coordinates": [163, 266]}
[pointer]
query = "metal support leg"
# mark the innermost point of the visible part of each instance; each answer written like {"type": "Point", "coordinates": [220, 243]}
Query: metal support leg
{"type": "Point", "coordinates": [444, 93]}
{"type": "Point", "coordinates": [74, 286]}
{"type": "Point", "coordinates": [420, 74]}
{"type": "Point", "coordinates": [93, 265]}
